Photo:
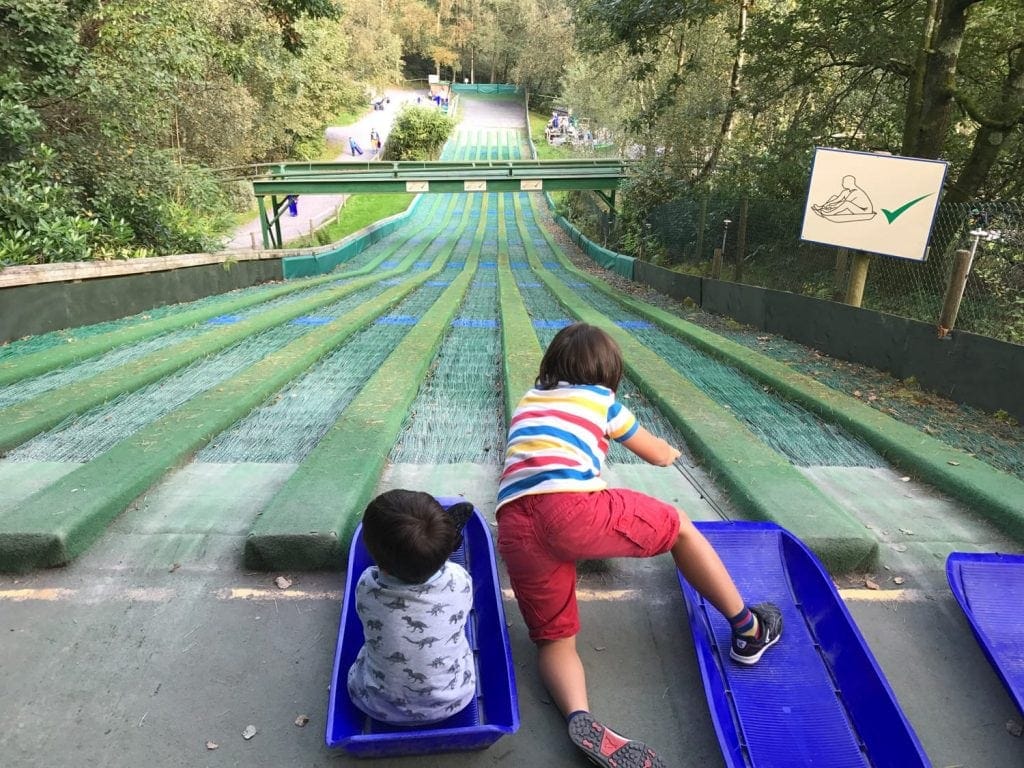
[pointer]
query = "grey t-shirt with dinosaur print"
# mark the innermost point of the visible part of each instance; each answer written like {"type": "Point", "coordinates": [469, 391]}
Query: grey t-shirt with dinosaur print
{"type": "Point", "coordinates": [415, 666]}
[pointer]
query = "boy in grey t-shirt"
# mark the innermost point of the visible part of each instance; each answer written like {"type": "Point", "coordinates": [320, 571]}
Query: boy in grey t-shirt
{"type": "Point", "coordinates": [416, 666]}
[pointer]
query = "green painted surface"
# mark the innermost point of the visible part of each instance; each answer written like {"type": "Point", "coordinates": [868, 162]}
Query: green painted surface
{"type": "Point", "coordinates": [522, 352]}
{"type": "Point", "coordinates": [669, 485]}
{"type": "Point", "coordinates": [20, 479]}
{"type": "Point", "coordinates": [905, 511]}
{"type": "Point", "coordinates": [478, 483]}
{"type": "Point", "coordinates": [196, 519]}
{"type": "Point", "coordinates": [760, 481]}
{"type": "Point", "coordinates": [309, 524]}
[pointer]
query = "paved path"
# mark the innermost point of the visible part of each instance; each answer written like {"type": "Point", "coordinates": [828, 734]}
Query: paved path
{"type": "Point", "coordinates": [314, 210]}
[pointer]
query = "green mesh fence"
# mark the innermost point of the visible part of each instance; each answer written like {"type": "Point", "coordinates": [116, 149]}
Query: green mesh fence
{"type": "Point", "coordinates": [486, 88]}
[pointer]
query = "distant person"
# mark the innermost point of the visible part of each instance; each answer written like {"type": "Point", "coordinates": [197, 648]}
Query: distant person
{"type": "Point", "coordinates": [554, 509]}
{"type": "Point", "coordinates": [353, 147]}
{"type": "Point", "coordinates": [416, 664]}
{"type": "Point", "coordinates": [375, 141]}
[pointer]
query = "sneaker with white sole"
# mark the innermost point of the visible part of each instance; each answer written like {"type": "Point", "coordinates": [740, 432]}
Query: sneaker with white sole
{"type": "Point", "coordinates": [748, 650]}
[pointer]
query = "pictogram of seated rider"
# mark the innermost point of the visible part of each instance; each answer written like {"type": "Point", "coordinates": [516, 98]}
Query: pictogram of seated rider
{"type": "Point", "coordinates": [851, 201]}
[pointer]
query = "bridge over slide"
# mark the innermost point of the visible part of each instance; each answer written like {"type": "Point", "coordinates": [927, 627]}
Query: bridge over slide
{"type": "Point", "coordinates": [292, 179]}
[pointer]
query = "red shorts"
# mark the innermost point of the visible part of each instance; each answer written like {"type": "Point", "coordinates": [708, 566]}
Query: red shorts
{"type": "Point", "coordinates": [540, 538]}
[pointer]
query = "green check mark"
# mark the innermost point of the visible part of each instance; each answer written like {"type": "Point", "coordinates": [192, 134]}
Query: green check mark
{"type": "Point", "coordinates": [891, 216]}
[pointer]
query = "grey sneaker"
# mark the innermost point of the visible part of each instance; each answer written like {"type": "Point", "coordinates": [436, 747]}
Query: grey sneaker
{"type": "Point", "coordinates": [748, 650]}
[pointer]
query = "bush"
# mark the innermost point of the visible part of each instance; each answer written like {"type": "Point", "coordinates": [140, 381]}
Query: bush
{"type": "Point", "coordinates": [418, 134]}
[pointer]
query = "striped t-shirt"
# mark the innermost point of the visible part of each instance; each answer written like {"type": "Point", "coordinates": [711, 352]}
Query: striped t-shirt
{"type": "Point", "coordinates": [558, 440]}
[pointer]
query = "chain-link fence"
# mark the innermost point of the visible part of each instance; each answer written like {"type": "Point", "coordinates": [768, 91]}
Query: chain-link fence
{"type": "Point", "coordinates": [760, 245]}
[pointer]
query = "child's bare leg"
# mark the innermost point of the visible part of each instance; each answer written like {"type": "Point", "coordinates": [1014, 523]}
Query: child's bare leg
{"type": "Point", "coordinates": [561, 670]}
{"type": "Point", "coordinates": [698, 561]}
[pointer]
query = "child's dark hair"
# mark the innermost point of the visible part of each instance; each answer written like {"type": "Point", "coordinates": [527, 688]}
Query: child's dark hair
{"type": "Point", "coordinates": [581, 354]}
{"type": "Point", "coordinates": [408, 534]}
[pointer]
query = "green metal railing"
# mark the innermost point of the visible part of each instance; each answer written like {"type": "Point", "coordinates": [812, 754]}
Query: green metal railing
{"type": "Point", "coordinates": [289, 179]}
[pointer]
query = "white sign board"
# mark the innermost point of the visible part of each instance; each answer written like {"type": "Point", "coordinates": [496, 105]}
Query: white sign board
{"type": "Point", "coordinates": [417, 186]}
{"type": "Point", "coordinates": [531, 185]}
{"type": "Point", "coordinates": [876, 203]}
{"type": "Point", "coordinates": [474, 186]}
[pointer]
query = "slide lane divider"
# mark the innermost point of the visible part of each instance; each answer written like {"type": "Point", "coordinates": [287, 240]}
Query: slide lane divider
{"type": "Point", "coordinates": [760, 481]}
{"type": "Point", "coordinates": [997, 495]}
{"type": "Point", "coordinates": [56, 524]}
{"type": "Point", "coordinates": [28, 418]}
{"type": "Point", "coordinates": [309, 523]}
{"type": "Point", "coordinates": [521, 350]}
{"type": "Point", "coordinates": [38, 363]}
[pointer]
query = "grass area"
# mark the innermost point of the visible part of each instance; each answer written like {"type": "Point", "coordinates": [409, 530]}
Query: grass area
{"type": "Point", "coordinates": [359, 211]}
{"type": "Point", "coordinates": [544, 150]}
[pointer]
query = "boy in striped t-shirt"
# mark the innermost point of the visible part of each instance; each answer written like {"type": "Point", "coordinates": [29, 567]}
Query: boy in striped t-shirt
{"type": "Point", "coordinates": [554, 509]}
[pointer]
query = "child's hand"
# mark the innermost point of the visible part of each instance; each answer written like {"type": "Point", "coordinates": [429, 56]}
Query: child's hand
{"type": "Point", "coordinates": [673, 454]}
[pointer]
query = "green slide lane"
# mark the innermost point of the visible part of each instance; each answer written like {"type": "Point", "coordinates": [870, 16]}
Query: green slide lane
{"type": "Point", "coordinates": [20, 422]}
{"type": "Point", "coordinates": [521, 348]}
{"type": "Point", "coordinates": [997, 495]}
{"type": "Point", "coordinates": [310, 522]}
{"type": "Point", "coordinates": [760, 481]}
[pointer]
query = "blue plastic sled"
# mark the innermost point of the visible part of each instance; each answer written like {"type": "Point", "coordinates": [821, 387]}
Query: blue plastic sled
{"type": "Point", "coordinates": [493, 713]}
{"type": "Point", "coordinates": [990, 589]}
{"type": "Point", "coordinates": [817, 698]}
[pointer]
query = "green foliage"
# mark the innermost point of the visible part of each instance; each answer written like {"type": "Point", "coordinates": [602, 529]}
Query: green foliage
{"type": "Point", "coordinates": [40, 220]}
{"type": "Point", "coordinates": [418, 133]}
{"type": "Point", "coordinates": [111, 113]}
{"type": "Point", "coordinates": [287, 14]}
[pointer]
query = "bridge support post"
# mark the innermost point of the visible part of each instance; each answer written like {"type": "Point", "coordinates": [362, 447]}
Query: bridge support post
{"type": "Point", "coordinates": [264, 221]}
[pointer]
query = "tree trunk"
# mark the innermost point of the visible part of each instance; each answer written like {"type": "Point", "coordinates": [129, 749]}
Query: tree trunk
{"type": "Point", "coordinates": [729, 118]}
{"type": "Point", "coordinates": [915, 89]}
{"type": "Point", "coordinates": [938, 82]}
{"type": "Point", "coordinates": [992, 133]}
